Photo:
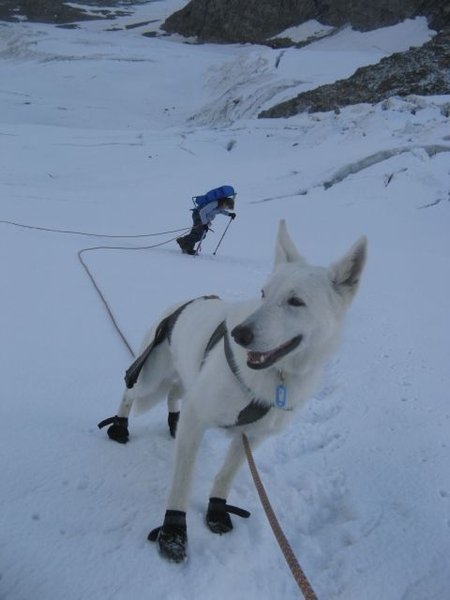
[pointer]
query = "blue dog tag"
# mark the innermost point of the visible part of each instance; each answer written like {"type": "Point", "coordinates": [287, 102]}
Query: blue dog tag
{"type": "Point", "coordinates": [280, 396]}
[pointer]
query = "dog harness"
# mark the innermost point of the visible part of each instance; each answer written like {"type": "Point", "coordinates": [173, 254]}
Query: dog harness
{"type": "Point", "coordinates": [257, 408]}
{"type": "Point", "coordinates": [163, 331]}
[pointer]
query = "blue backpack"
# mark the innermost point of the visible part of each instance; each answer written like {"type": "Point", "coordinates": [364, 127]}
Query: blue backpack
{"type": "Point", "coordinates": [216, 194]}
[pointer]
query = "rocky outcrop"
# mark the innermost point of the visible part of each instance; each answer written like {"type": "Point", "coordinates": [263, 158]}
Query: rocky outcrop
{"type": "Point", "coordinates": [239, 20]}
{"type": "Point", "coordinates": [437, 12]}
{"type": "Point", "coordinates": [47, 11]}
{"type": "Point", "coordinates": [258, 20]}
{"type": "Point", "coordinates": [57, 11]}
{"type": "Point", "coordinates": [420, 71]}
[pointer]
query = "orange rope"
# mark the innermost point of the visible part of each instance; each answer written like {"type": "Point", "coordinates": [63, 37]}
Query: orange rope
{"type": "Point", "coordinates": [289, 555]}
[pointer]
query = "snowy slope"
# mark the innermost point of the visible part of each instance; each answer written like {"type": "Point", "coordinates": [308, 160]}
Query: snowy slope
{"type": "Point", "coordinates": [104, 131]}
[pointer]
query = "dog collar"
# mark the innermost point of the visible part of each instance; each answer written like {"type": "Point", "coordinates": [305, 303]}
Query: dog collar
{"type": "Point", "coordinates": [258, 407]}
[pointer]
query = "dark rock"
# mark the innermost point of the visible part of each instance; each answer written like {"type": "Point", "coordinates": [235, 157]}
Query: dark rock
{"type": "Point", "coordinates": [421, 71]}
{"type": "Point", "coordinates": [258, 20]}
{"type": "Point", "coordinates": [44, 11]}
{"type": "Point", "coordinates": [60, 12]}
{"type": "Point", "coordinates": [437, 12]}
{"type": "Point", "coordinates": [237, 20]}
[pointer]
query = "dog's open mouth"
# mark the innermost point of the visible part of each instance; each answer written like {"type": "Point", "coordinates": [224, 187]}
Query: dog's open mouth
{"type": "Point", "coordinates": [262, 360]}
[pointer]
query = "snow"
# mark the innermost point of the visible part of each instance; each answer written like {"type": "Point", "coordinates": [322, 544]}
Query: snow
{"type": "Point", "coordinates": [106, 132]}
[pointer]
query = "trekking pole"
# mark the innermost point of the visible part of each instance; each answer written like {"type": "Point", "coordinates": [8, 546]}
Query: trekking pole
{"type": "Point", "coordinates": [199, 245]}
{"type": "Point", "coordinates": [223, 235]}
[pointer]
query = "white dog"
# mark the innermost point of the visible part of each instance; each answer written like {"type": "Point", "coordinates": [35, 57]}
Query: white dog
{"type": "Point", "coordinates": [243, 367]}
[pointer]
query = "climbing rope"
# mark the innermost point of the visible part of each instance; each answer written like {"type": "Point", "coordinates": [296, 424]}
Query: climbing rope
{"type": "Point", "coordinates": [297, 571]}
{"type": "Point", "coordinates": [96, 248]}
{"type": "Point", "coordinates": [97, 235]}
{"type": "Point", "coordinates": [102, 297]}
{"type": "Point", "coordinates": [97, 288]}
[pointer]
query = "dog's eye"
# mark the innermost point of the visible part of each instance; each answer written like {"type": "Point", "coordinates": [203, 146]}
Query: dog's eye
{"type": "Point", "coordinates": [263, 295]}
{"type": "Point", "coordinates": [295, 301]}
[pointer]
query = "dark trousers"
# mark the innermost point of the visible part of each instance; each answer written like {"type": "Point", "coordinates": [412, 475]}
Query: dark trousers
{"type": "Point", "coordinates": [197, 232]}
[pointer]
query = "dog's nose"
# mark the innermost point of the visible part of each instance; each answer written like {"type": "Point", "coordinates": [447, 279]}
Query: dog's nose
{"type": "Point", "coordinates": [242, 335]}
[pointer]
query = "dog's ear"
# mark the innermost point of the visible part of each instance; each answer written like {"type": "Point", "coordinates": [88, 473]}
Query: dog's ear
{"type": "Point", "coordinates": [346, 272]}
{"type": "Point", "coordinates": [285, 250]}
